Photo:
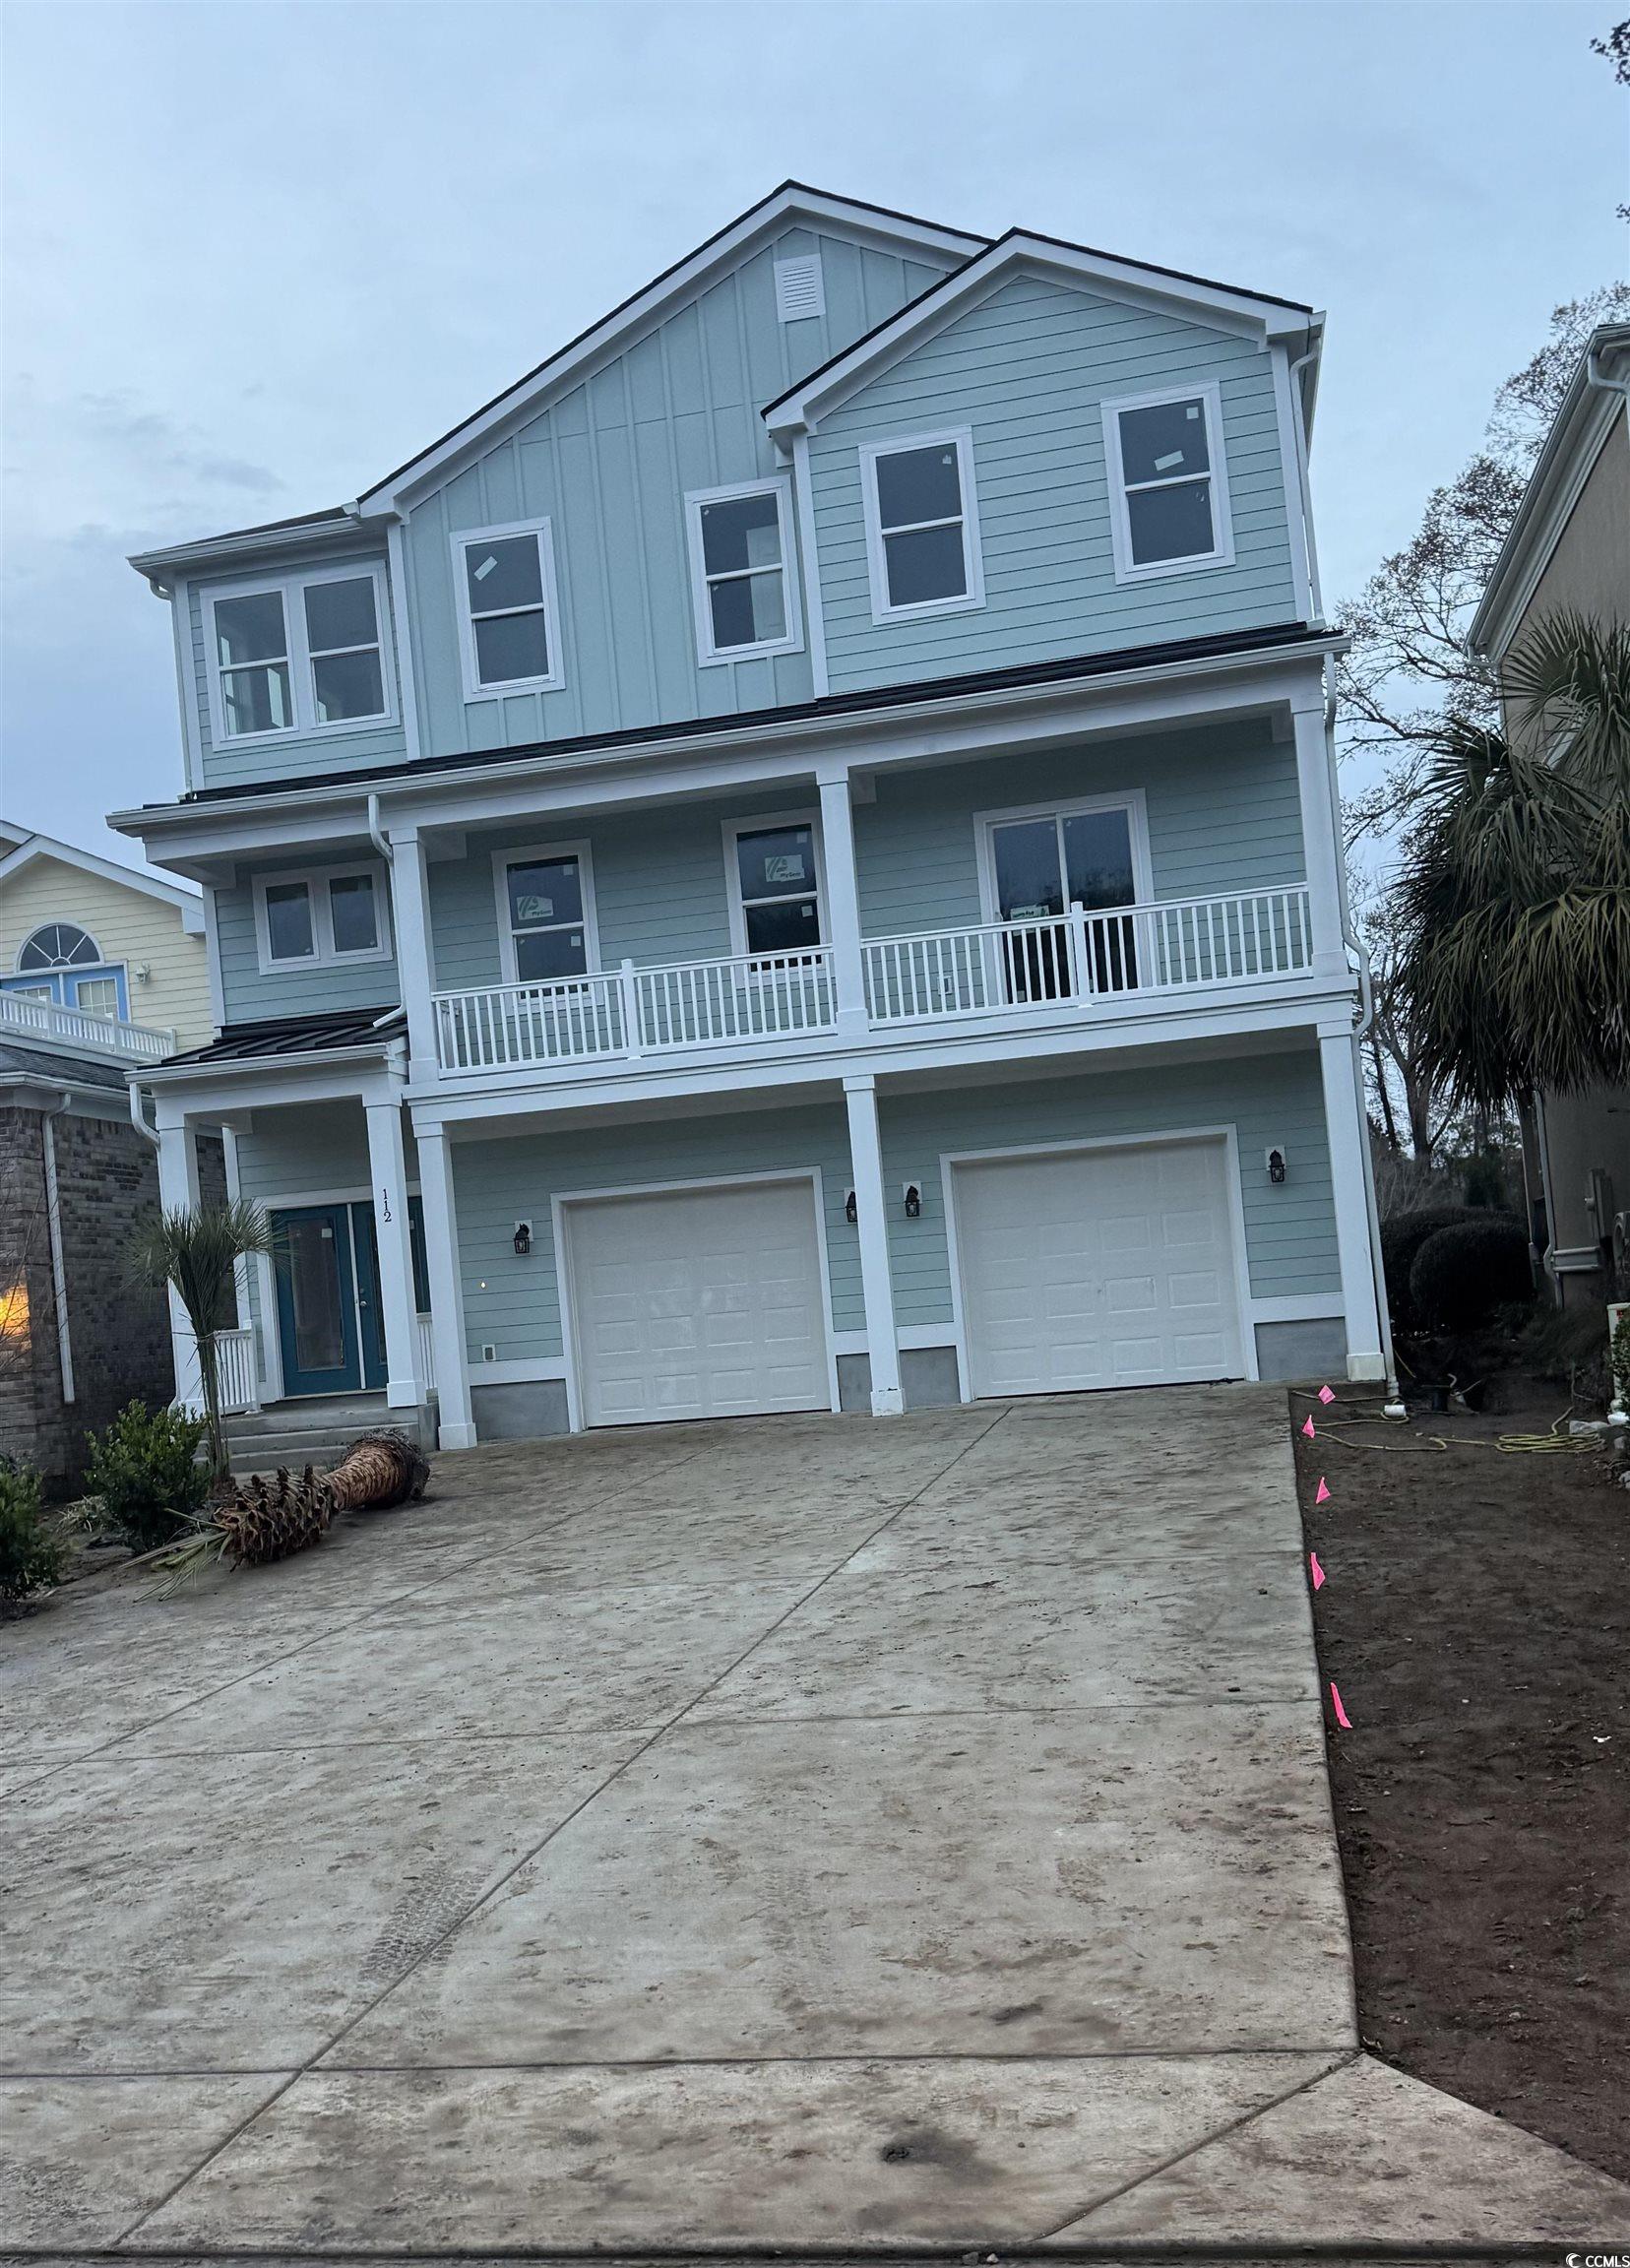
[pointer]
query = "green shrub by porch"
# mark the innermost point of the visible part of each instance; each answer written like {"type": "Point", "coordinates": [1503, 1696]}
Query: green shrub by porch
{"type": "Point", "coordinates": [30, 1557]}
{"type": "Point", "coordinates": [1464, 1273]}
{"type": "Point", "coordinates": [145, 1469]}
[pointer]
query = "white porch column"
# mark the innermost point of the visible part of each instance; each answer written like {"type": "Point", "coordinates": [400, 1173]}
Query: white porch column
{"type": "Point", "coordinates": [842, 901]}
{"type": "Point", "coordinates": [416, 969]}
{"type": "Point", "coordinates": [1347, 1132]}
{"type": "Point", "coordinates": [441, 1253]}
{"type": "Point", "coordinates": [1321, 840]}
{"type": "Point", "coordinates": [388, 1167]}
{"type": "Point", "coordinates": [178, 1191]}
{"type": "Point", "coordinates": [872, 1217]}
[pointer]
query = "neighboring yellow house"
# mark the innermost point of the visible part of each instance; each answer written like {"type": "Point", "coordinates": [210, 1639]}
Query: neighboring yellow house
{"type": "Point", "coordinates": [83, 932]}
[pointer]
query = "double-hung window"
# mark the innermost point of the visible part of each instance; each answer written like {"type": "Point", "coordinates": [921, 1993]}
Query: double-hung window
{"type": "Point", "coordinates": [322, 919]}
{"type": "Point", "coordinates": [504, 582]}
{"type": "Point", "coordinates": [776, 879]}
{"type": "Point", "coordinates": [1169, 490]}
{"type": "Point", "coordinates": [922, 534]}
{"type": "Point", "coordinates": [303, 654]}
{"type": "Point", "coordinates": [546, 912]}
{"type": "Point", "coordinates": [743, 576]}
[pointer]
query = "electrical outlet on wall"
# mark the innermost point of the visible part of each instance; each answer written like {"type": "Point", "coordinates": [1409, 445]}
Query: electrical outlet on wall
{"type": "Point", "coordinates": [490, 1354]}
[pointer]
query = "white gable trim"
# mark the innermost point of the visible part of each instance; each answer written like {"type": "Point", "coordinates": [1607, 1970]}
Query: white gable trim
{"type": "Point", "coordinates": [187, 902]}
{"type": "Point", "coordinates": [1243, 313]}
{"type": "Point", "coordinates": [785, 206]}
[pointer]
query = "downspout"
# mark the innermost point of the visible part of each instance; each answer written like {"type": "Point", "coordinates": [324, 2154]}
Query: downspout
{"type": "Point", "coordinates": [54, 1230]}
{"type": "Point", "coordinates": [380, 841]}
{"type": "Point", "coordinates": [1303, 485]}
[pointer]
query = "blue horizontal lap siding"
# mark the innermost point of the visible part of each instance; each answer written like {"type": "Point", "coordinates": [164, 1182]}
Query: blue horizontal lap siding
{"type": "Point", "coordinates": [1268, 1100]}
{"type": "Point", "coordinates": [1027, 371]}
{"type": "Point", "coordinates": [313, 756]}
{"type": "Point", "coordinates": [251, 995]}
{"type": "Point", "coordinates": [661, 887]}
{"type": "Point", "coordinates": [514, 1304]}
{"type": "Point", "coordinates": [1222, 806]}
{"type": "Point", "coordinates": [609, 464]}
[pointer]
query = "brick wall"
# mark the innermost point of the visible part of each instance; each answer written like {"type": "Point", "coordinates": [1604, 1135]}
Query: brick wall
{"type": "Point", "coordinates": [108, 1179]}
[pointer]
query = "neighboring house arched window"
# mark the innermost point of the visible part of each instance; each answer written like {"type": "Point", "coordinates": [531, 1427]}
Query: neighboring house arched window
{"type": "Point", "coordinates": [61, 963]}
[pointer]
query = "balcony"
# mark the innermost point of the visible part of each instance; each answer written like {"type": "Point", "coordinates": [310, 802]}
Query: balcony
{"type": "Point", "coordinates": [1097, 964]}
{"type": "Point", "coordinates": [76, 1032]}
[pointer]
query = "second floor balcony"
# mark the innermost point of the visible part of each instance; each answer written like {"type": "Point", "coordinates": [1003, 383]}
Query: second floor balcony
{"type": "Point", "coordinates": [1100, 965]}
{"type": "Point", "coordinates": [59, 1030]}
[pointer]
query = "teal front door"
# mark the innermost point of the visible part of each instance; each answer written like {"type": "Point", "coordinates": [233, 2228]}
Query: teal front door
{"type": "Point", "coordinates": [370, 1314]}
{"type": "Point", "coordinates": [317, 1311]}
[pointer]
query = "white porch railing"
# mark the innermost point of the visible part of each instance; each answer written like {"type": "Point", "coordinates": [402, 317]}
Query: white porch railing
{"type": "Point", "coordinates": [77, 1030]}
{"type": "Point", "coordinates": [631, 1011]}
{"type": "Point", "coordinates": [1001, 967]}
{"type": "Point", "coordinates": [426, 1352]}
{"type": "Point", "coordinates": [993, 969]}
{"type": "Point", "coordinates": [235, 1368]}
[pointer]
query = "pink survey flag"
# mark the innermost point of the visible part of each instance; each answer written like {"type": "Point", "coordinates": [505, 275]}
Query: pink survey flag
{"type": "Point", "coordinates": [1316, 1570]}
{"type": "Point", "coordinates": [1323, 1495]}
{"type": "Point", "coordinates": [1326, 1396]}
{"type": "Point", "coordinates": [1342, 1717]}
{"type": "Point", "coordinates": [1308, 1425]}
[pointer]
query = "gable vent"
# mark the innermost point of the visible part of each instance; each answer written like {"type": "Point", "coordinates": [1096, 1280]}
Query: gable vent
{"type": "Point", "coordinates": [800, 291]}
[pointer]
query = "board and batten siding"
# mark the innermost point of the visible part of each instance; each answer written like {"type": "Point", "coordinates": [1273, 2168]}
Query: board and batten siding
{"type": "Point", "coordinates": [309, 756]}
{"type": "Point", "coordinates": [1222, 807]}
{"type": "Point", "coordinates": [1026, 370]}
{"type": "Point", "coordinates": [609, 465]}
{"type": "Point", "coordinates": [513, 1304]}
{"type": "Point", "coordinates": [1268, 1100]}
{"type": "Point", "coordinates": [253, 995]}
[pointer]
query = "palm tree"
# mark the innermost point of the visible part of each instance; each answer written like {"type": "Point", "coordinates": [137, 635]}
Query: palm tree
{"type": "Point", "coordinates": [194, 1249]}
{"type": "Point", "coordinates": [1514, 897]}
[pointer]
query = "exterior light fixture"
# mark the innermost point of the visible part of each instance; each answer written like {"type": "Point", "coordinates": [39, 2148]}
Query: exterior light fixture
{"type": "Point", "coordinates": [914, 1201]}
{"type": "Point", "coordinates": [852, 1211]}
{"type": "Point", "coordinates": [523, 1238]}
{"type": "Point", "coordinates": [1275, 1164]}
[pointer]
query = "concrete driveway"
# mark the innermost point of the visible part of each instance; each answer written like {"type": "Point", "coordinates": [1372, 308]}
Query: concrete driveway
{"type": "Point", "coordinates": [799, 1832]}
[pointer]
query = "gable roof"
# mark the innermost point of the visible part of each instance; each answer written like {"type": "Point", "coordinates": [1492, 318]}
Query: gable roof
{"type": "Point", "coordinates": [1579, 432]}
{"type": "Point", "coordinates": [1256, 313]}
{"type": "Point", "coordinates": [26, 847]}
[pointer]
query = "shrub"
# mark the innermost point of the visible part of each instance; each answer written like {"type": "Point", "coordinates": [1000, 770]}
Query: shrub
{"type": "Point", "coordinates": [145, 1469]}
{"type": "Point", "coordinates": [1402, 1237]}
{"type": "Point", "coordinates": [1461, 1273]}
{"type": "Point", "coordinates": [30, 1556]}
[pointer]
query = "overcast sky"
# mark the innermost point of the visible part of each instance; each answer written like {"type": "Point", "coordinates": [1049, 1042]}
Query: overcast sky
{"type": "Point", "coordinates": [257, 253]}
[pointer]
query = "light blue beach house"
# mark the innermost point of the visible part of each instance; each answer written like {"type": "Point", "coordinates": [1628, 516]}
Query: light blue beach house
{"type": "Point", "coordinates": [789, 861]}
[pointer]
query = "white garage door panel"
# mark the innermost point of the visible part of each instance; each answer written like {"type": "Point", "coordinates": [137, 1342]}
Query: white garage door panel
{"type": "Point", "coordinates": [1099, 1268]}
{"type": "Point", "coordinates": [703, 1303]}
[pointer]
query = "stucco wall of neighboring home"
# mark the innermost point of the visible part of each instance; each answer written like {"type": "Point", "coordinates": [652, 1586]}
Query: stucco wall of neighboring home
{"type": "Point", "coordinates": [1584, 1133]}
{"type": "Point", "coordinates": [129, 926]}
{"type": "Point", "coordinates": [1590, 568]}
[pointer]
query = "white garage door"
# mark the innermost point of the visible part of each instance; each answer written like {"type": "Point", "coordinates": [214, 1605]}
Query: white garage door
{"type": "Point", "coordinates": [1099, 1268]}
{"type": "Point", "coordinates": [704, 1303]}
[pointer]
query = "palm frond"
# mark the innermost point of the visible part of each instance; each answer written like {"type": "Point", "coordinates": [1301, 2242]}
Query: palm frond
{"type": "Point", "coordinates": [194, 1248]}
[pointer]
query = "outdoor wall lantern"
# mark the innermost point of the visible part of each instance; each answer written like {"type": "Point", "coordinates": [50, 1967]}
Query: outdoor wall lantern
{"type": "Point", "coordinates": [914, 1201]}
{"type": "Point", "coordinates": [851, 1210]}
{"type": "Point", "coordinates": [1275, 1165]}
{"type": "Point", "coordinates": [523, 1238]}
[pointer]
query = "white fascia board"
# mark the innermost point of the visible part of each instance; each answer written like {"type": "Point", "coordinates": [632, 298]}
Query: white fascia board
{"type": "Point", "coordinates": [267, 1083]}
{"type": "Point", "coordinates": [1203, 1034]}
{"type": "Point", "coordinates": [350, 530]}
{"type": "Point", "coordinates": [190, 837]}
{"type": "Point", "coordinates": [186, 901]}
{"type": "Point", "coordinates": [607, 338]}
{"type": "Point", "coordinates": [1565, 463]}
{"type": "Point", "coordinates": [799, 410]}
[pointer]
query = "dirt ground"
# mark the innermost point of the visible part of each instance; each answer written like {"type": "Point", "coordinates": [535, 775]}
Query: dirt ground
{"type": "Point", "coordinates": [1476, 1618]}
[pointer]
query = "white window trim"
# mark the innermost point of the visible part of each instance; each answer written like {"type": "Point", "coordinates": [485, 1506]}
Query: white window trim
{"type": "Point", "coordinates": [517, 854]}
{"type": "Point", "coordinates": [1131, 800]}
{"type": "Point", "coordinates": [961, 437]}
{"type": "Point", "coordinates": [555, 677]}
{"type": "Point", "coordinates": [302, 690]}
{"type": "Point", "coordinates": [707, 655]}
{"type": "Point", "coordinates": [758, 825]}
{"type": "Point", "coordinates": [326, 956]}
{"type": "Point", "coordinates": [1209, 394]}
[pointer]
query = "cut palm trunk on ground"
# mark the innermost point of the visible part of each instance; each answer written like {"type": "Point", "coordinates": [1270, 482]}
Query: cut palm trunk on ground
{"type": "Point", "coordinates": [255, 1525]}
